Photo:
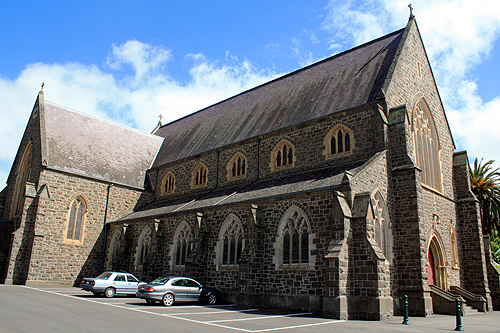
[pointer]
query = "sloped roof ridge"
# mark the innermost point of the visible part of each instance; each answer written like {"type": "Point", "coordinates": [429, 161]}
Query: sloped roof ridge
{"type": "Point", "coordinates": [104, 120]}
{"type": "Point", "coordinates": [335, 56]}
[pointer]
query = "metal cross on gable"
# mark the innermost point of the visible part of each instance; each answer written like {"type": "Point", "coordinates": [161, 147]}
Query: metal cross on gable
{"type": "Point", "coordinates": [411, 11]}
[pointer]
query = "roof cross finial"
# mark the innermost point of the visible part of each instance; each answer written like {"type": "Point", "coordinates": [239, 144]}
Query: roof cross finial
{"type": "Point", "coordinates": [160, 116]}
{"type": "Point", "coordinates": [43, 83]}
{"type": "Point", "coordinates": [411, 12]}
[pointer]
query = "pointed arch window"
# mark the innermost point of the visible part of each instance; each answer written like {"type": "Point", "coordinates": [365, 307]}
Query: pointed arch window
{"type": "Point", "coordinates": [23, 173]}
{"type": "Point", "coordinates": [283, 156]}
{"type": "Point", "coordinates": [454, 248]}
{"type": "Point", "coordinates": [294, 238]}
{"type": "Point", "coordinates": [200, 176]}
{"type": "Point", "coordinates": [75, 221]}
{"type": "Point", "coordinates": [231, 243]}
{"type": "Point", "coordinates": [382, 225]}
{"type": "Point", "coordinates": [338, 142]}
{"type": "Point", "coordinates": [237, 167]}
{"type": "Point", "coordinates": [113, 251]}
{"type": "Point", "coordinates": [183, 244]}
{"type": "Point", "coordinates": [427, 146]}
{"type": "Point", "coordinates": [143, 247]}
{"type": "Point", "coordinates": [168, 184]}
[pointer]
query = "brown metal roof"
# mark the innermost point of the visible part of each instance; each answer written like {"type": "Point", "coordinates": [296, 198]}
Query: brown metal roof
{"type": "Point", "coordinates": [350, 79]}
{"type": "Point", "coordinates": [96, 148]}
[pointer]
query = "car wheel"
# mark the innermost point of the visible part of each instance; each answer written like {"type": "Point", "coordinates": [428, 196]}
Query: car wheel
{"type": "Point", "coordinates": [109, 292]}
{"type": "Point", "coordinates": [168, 299]}
{"type": "Point", "coordinates": [212, 299]}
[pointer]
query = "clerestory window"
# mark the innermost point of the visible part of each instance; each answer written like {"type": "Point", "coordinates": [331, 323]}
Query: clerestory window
{"type": "Point", "coordinates": [168, 184]}
{"type": "Point", "coordinates": [200, 176]}
{"type": "Point", "coordinates": [237, 167]}
{"type": "Point", "coordinates": [338, 142]}
{"type": "Point", "coordinates": [283, 156]}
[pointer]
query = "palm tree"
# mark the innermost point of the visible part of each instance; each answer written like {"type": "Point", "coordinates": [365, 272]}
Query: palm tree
{"type": "Point", "coordinates": [485, 184]}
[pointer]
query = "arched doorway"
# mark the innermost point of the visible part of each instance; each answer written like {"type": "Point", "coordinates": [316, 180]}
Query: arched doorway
{"type": "Point", "coordinates": [430, 269]}
{"type": "Point", "coordinates": [436, 263]}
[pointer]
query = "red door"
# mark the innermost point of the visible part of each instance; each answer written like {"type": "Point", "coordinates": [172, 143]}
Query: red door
{"type": "Point", "coordinates": [430, 269]}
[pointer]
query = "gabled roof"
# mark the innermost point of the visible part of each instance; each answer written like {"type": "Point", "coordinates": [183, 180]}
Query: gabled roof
{"type": "Point", "coordinates": [351, 79]}
{"type": "Point", "coordinates": [85, 145]}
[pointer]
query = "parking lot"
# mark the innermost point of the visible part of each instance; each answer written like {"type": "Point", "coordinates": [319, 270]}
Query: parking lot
{"type": "Point", "coordinates": [226, 316]}
{"type": "Point", "coordinates": [71, 309]}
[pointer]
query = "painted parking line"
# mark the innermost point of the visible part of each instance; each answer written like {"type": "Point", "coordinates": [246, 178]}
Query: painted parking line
{"type": "Point", "coordinates": [257, 318]}
{"type": "Point", "coordinates": [211, 312]}
{"type": "Point", "coordinates": [176, 316]}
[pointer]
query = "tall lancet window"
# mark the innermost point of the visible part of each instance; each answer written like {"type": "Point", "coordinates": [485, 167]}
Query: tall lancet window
{"type": "Point", "coordinates": [427, 146]}
{"type": "Point", "coordinates": [23, 172]}
{"type": "Point", "coordinates": [75, 221]}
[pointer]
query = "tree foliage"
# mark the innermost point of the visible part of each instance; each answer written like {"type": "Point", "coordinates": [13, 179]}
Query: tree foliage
{"type": "Point", "coordinates": [485, 184]}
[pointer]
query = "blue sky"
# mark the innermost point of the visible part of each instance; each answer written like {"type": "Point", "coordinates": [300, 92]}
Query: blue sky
{"type": "Point", "coordinates": [129, 61]}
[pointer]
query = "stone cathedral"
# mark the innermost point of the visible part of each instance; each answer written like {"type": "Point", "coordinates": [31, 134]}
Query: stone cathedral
{"type": "Point", "coordinates": [334, 189]}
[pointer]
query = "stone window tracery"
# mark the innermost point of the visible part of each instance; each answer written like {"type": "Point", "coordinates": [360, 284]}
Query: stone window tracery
{"type": "Point", "coordinates": [199, 176]}
{"type": "Point", "coordinates": [22, 177]}
{"type": "Point", "coordinates": [75, 221]}
{"type": "Point", "coordinates": [338, 142]}
{"type": "Point", "coordinates": [231, 242]}
{"type": "Point", "coordinates": [143, 247]}
{"type": "Point", "coordinates": [114, 248]}
{"type": "Point", "coordinates": [382, 225]}
{"type": "Point", "coordinates": [237, 167]}
{"type": "Point", "coordinates": [427, 146]}
{"type": "Point", "coordinates": [168, 184]}
{"type": "Point", "coordinates": [283, 156]}
{"type": "Point", "coordinates": [294, 238]}
{"type": "Point", "coordinates": [183, 244]}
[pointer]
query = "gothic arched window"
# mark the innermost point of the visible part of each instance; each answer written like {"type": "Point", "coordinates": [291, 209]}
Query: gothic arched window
{"type": "Point", "coordinates": [168, 183]}
{"type": "Point", "coordinates": [75, 221]}
{"type": "Point", "coordinates": [231, 242]}
{"type": "Point", "coordinates": [294, 234]}
{"type": "Point", "coordinates": [143, 247]}
{"type": "Point", "coordinates": [338, 142]}
{"type": "Point", "coordinates": [427, 146]}
{"type": "Point", "coordinates": [283, 156]}
{"type": "Point", "coordinates": [113, 251]}
{"type": "Point", "coordinates": [382, 225]}
{"type": "Point", "coordinates": [237, 167]}
{"type": "Point", "coordinates": [199, 176]}
{"type": "Point", "coordinates": [183, 244]}
{"type": "Point", "coordinates": [23, 172]}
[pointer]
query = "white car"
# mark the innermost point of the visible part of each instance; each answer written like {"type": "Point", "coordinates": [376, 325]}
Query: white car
{"type": "Point", "coordinates": [111, 284]}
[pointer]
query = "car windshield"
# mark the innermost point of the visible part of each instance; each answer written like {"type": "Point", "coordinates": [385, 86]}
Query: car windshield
{"type": "Point", "coordinates": [104, 276]}
{"type": "Point", "coordinates": [160, 280]}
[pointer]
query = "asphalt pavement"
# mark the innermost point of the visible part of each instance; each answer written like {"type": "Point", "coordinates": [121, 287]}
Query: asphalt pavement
{"type": "Point", "coordinates": [25, 309]}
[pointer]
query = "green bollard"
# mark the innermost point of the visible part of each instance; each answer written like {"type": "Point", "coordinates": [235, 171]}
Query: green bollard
{"type": "Point", "coordinates": [459, 316]}
{"type": "Point", "coordinates": [406, 321]}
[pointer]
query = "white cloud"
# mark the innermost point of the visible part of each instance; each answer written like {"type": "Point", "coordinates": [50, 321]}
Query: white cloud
{"type": "Point", "coordinates": [457, 34]}
{"type": "Point", "coordinates": [133, 89]}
